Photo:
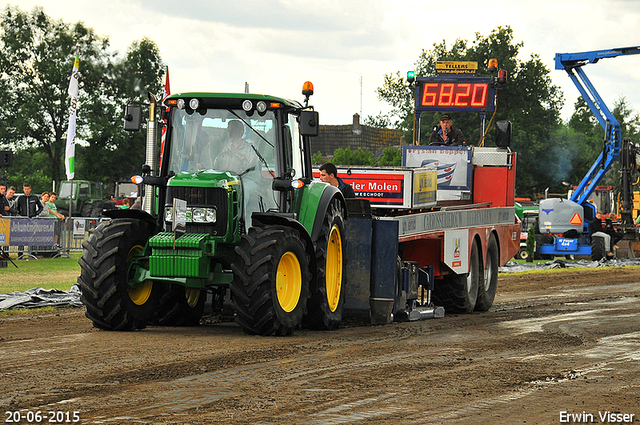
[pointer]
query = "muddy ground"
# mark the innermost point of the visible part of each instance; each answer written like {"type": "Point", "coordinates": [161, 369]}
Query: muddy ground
{"type": "Point", "coordinates": [552, 346]}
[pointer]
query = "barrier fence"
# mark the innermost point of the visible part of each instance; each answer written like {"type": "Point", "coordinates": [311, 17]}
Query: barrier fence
{"type": "Point", "coordinates": [33, 238]}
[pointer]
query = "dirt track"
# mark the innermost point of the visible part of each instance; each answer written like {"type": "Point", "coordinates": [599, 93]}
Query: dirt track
{"type": "Point", "coordinates": [561, 342]}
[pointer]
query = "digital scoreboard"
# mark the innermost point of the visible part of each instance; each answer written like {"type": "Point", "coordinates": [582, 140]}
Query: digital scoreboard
{"type": "Point", "coordinates": [451, 94]}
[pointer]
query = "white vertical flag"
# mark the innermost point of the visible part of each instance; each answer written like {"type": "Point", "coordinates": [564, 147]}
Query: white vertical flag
{"type": "Point", "coordinates": [69, 156]}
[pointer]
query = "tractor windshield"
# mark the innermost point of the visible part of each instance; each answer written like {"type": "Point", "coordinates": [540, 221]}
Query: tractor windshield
{"type": "Point", "coordinates": [223, 140]}
{"type": "Point", "coordinates": [228, 140]}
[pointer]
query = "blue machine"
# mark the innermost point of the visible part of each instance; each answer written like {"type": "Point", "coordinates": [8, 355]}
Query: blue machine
{"type": "Point", "coordinates": [572, 63]}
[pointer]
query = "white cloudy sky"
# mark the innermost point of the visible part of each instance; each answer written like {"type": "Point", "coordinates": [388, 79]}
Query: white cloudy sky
{"type": "Point", "coordinates": [276, 45]}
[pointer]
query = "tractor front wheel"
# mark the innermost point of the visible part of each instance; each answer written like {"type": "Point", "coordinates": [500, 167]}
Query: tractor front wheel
{"type": "Point", "coordinates": [111, 302]}
{"type": "Point", "coordinates": [270, 287]}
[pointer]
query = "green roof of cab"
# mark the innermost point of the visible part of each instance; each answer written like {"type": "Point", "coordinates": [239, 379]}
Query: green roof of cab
{"type": "Point", "coordinates": [252, 96]}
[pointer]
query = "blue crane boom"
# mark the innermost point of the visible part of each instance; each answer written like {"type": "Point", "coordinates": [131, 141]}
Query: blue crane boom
{"type": "Point", "coordinates": [572, 63]}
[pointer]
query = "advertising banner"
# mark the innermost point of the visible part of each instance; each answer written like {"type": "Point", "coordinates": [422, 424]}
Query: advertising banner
{"type": "Point", "coordinates": [452, 162]}
{"type": "Point", "coordinates": [27, 231]}
{"type": "Point", "coordinates": [391, 187]}
{"type": "Point", "coordinates": [4, 231]}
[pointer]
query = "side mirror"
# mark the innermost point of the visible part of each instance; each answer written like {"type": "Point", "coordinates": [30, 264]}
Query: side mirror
{"type": "Point", "coordinates": [503, 134]}
{"type": "Point", "coordinates": [309, 124]}
{"type": "Point", "coordinates": [132, 117]}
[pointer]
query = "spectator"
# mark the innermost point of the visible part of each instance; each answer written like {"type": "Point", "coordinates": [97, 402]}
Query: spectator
{"type": "Point", "coordinates": [53, 208]}
{"type": "Point", "coordinates": [125, 203]}
{"type": "Point", "coordinates": [12, 200]}
{"type": "Point", "coordinates": [44, 198]}
{"type": "Point", "coordinates": [28, 205]}
{"type": "Point", "coordinates": [329, 174]}
{"type": "Point", "coordinates": [4, 203]}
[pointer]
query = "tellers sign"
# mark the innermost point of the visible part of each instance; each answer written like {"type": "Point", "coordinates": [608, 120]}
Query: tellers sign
{"type": "Point", "coordinates": [454, 94]}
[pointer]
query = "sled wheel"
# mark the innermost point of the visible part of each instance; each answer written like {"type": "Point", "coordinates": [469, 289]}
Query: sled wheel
{"type": "Point", "coordinates": [458, 293]}
{"type": "Point", "coordinates": [489, 279]}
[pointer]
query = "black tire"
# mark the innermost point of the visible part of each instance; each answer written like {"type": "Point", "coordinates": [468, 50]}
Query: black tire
{"type": "Point", "coordinates": [180, 306]}
{"type": "Point", "coordinates": [522, 254]}
{"type": "Point", "coordinates": [327, 301]}
{"type": "Point", "coordinates": [96, 209]}
{"type": "Point", "coordinates": [458, 293]}
{"type": "Point", "coordinates": [108, 301]}
{"type": "Point", "coordinates": [598, 250]}
{"type": "Point", "coordinates": [489, 277]}
{"type": "Point", "coordinates": [86, 210]}
{"type": "Point", "coordinates": [271, 280]}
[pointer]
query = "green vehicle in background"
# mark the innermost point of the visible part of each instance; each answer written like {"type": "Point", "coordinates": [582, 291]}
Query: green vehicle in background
{"type": "Point", "coordinates": [527, 212]}
{"type": "Point", "coordinates": [247, 224]}
{"type": "Point", "coordinates": [85, 198]}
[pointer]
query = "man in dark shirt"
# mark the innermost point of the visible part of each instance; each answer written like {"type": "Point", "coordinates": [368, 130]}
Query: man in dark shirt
{"type": "Point", "coordinates": [28, 205]}
{"type": "Point", "coordinates": [11, 199]}
{"type": "Point", "coordinates": [4, 203]}
{"type": "Point", "coordinates": [329, 174]}
{"type": "Point", "coordinates": [446, 135]}
{"type": "Point", "coordinates": [595, 225]}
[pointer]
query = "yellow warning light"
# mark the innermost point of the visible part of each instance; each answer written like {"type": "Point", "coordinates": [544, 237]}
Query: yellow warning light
{"type": "Point", "coordinates": [307, 88]}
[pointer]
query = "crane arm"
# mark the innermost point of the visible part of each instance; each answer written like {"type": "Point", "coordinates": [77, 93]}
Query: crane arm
{"type": "Point", "coordinates": [572, 63]}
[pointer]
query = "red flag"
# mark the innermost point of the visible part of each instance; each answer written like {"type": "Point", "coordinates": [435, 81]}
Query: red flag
{"type": "Point", "coordinates": [167, 92]}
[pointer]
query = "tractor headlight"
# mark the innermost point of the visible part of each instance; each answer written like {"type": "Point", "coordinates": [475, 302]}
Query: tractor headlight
{"type": "Point", "coordinates": [211, 215]}
{"type": "Point", "coordinates": [198, 215]}
{"type": "Point", "coordinates": [194, 215]}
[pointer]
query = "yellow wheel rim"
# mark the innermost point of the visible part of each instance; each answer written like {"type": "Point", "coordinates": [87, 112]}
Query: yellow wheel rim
{"type": "Point", "coordinates": [192, 295]}
{"type": "Point", "coordinates": [333, 269]}
{"type": "Point", "coordinates": [288, 282]}
{"type": "Point", "coordinates": [141, 293]}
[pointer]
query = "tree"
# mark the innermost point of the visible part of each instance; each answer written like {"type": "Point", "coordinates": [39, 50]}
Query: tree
{"type": "Point", "coordinates": [528, 100]}
{"type": "Point", "coordinates": [121, 152]}
{"type": "Point", "coordinates": [36, 60]}
{"type": "Point", "coordinates": [391, 157]}
{"type": "Point", "coordinates": [348, 157]}
{"type": "Point", "coordinates": [584, 123]}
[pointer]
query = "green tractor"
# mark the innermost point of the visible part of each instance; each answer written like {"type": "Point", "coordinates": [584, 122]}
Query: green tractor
{"type": "Point", "coordinates": [231, 210]}
{"type": "Point", "coordinates": [86, 198]}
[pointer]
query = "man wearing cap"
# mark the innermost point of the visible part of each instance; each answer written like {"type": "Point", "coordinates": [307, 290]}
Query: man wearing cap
{"type": "Point", "coordinates": [446, 135]}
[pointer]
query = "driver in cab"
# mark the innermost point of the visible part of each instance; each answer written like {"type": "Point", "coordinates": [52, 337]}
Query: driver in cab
{"type": "Point", "coordinates": [446, 135]}
{"type": "Point", "coordinates": [238, 155]}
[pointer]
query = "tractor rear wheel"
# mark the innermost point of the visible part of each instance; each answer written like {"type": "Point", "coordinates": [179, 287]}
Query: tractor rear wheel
{"type": "Point", "coordinates": [489, 277]}
{"type": "Point", "coordinates": [326, 302]}
{"type": "Point", "coordinates": [270, 287]}
{"type": "Point", "coordinates": [180, 306]}
{"type": "Point", "coordinates": [458, 293]}
{"type": "Point", "coordinates": [110, 301]}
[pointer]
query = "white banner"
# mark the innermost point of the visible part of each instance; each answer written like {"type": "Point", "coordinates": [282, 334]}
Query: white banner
{"type": "Point", "coordinates": [70, 151]}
